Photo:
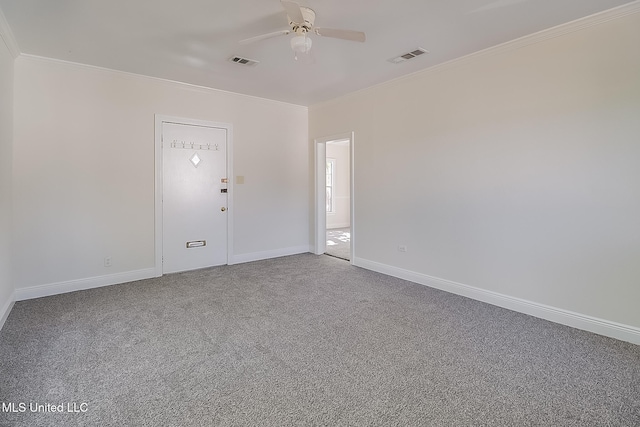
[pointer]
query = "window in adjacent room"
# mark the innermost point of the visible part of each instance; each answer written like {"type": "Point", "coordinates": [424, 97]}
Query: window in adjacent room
{"type": "Point", "coordinates": [331, 167]}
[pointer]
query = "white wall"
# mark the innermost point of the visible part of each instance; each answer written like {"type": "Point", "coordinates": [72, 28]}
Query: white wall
{"type": "Point", "coordinates": [6, 143]}
{"type": "Point", "coordinates": [84, 172]}
{"type": "Point", "coordinates": [513, 175]}
{"type": "Point", "coordinates": [341, 217]}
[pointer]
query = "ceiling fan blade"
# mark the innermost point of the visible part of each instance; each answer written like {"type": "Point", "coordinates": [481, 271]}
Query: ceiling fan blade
{"type": "Point", "coordinates": [293, 10]}
{"type": "Point", "coordinates": [265, 36]}
{"type": "Point", "coordinates": [356, 36]}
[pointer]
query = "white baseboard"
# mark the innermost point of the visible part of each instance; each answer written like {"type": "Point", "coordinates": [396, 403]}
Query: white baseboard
{"type": "Point", "coordinates": [338, 225]}
{"type": "Point", "coordinates": [565, 317]}
{"type": "Point", "coordinates": [258, 256]}
{"type": "Point", "coordinates": [49, 289]}
{"type": "Point", "coordinates": [6, 309]}
{"type": "Point", "coordinates": [81, 284]}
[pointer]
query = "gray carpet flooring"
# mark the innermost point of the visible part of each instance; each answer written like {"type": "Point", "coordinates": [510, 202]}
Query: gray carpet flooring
{"type": "Point", "coordinates": [339, 243]}
{"type": "Point", "coordinates": [304, 341]}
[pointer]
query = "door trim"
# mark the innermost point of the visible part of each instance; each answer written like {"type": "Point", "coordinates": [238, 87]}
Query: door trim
{"type": "Point", "coordinates": [159, 120]}
{"type": "Point", "coordinates": [320, 215]}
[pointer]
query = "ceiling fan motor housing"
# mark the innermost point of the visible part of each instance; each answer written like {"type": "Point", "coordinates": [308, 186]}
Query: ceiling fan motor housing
{"type": "Point", "coordinates": [303, 27]}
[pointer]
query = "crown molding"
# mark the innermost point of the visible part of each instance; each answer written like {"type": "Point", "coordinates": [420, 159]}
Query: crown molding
{"type": "Point", "coordinates": [159, 80]}
{"type": "Point", "coordinates": [512, 45]}
{"type": "Point", "coordinates": [7, 36]}
{"type": "Point", "coordinates": [550, 33]}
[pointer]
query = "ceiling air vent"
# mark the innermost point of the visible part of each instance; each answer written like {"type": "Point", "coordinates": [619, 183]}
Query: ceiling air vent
{"type": "Point", "coordinates": [243, 61]}
{"type": "Point", "coordinates": [409, 55]}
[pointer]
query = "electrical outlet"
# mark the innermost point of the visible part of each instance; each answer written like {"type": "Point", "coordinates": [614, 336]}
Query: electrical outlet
{"type": "Point", "coordinates": [107, 261]}
{"type": "Point", "coordinates": [402, 248]}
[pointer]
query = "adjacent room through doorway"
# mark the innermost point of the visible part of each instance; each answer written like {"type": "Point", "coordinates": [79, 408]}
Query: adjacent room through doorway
{"type": "Point", "coordinates": [338, 198]}
{"type": "Point", "coordinates": [339, 243]}
{"type": "Point", "coordinates": [334, 227]}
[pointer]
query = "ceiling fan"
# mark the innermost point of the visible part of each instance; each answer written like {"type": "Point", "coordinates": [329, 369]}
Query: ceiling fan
{"type": "Point", "coordinates": [302, 22]}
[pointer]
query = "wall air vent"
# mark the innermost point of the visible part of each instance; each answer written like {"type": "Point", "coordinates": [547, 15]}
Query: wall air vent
{"type": "Point", "coordinates": [243, 61]}
{"type": "Point", "coordinates": [409, 55]}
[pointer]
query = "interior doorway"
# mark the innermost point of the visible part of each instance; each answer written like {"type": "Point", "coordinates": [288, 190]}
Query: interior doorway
{"type": "Point", "coordinates": [338, 205]}
{"type": "Point", "coordinates": [334, 196]}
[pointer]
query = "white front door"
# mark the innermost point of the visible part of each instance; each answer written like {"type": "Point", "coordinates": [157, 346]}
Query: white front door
{"type": "Point", "coordinates": [194, 198]}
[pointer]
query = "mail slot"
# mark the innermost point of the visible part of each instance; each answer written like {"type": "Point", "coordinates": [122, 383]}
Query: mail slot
{"type": "Point", "coordinates": [196, 244]}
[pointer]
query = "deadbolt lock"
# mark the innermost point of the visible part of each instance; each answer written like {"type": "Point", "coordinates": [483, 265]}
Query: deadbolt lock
{"type": "Point", "coordinates": [223, 209]}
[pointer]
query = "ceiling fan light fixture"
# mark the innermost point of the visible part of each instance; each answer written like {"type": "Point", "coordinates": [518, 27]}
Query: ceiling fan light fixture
{"type": "Point", "coordinates": [301, 44]}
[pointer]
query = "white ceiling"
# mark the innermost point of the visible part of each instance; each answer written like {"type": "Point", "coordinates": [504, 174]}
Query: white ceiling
{"type": "Point", "coordinates": [191, 40]}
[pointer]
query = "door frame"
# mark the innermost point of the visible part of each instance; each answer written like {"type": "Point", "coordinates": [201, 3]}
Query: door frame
{"type": "Point", "coordinates": [159, 120]}
{"type": "Point", "coordinates": [320, 145]}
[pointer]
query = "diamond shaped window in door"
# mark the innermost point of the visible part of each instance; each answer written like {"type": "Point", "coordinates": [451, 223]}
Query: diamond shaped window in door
{"type": "Point", "coordinates": [195, 160]}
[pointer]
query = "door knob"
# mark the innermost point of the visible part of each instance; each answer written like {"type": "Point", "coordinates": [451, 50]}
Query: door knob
{"type": "Point", "coordinates": [223, 209]}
